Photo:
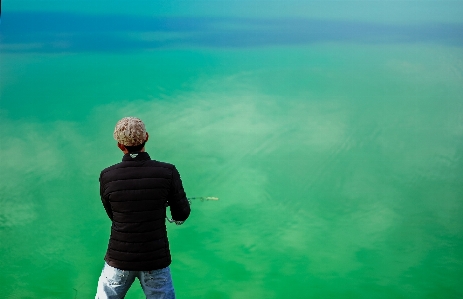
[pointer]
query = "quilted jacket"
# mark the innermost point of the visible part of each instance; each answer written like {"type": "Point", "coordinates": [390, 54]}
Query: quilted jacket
{"type": "Point", "coordinates": [135, 194]}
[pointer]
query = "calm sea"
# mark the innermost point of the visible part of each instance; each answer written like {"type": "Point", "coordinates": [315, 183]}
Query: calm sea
{"type": "Point", "coordinates": [331, 132]}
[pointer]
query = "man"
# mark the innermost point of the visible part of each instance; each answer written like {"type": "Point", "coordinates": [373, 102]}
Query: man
{"type": "Point", "coordinates": [135, 194]}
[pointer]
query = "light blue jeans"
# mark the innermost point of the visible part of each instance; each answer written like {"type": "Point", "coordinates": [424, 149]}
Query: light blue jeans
{"type": "Point", "coordinates": [114, 283]}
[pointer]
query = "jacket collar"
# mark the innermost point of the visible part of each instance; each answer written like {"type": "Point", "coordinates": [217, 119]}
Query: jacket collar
{"type": "Point", "coordinates": [140, 156]}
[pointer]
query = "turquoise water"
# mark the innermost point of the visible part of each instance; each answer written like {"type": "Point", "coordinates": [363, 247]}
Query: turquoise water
{"type": "Point", "coordinates": [332, 134]}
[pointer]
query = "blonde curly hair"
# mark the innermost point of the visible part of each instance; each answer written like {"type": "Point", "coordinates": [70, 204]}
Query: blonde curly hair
{"type": "Point", "coordinates": [130, 131]}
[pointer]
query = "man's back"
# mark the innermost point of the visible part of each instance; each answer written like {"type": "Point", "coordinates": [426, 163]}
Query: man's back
{"type": "Point", "coordinates": [135, 194]}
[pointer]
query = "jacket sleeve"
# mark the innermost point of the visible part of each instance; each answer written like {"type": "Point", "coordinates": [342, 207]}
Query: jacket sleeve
{"type": "Point", "coordinates": [179, 204]}
{"type": "Point", "coordinates": [106, 204]}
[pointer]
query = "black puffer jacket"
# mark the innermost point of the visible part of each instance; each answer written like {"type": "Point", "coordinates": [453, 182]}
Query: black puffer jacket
{"type": "Point", "coordinates": [135, 194]}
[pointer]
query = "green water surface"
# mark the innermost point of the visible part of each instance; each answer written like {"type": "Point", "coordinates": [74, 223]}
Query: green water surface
{"type": "Point", "coordinates": [338, 166]}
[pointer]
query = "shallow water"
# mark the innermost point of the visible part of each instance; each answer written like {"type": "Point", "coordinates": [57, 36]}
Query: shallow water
{"type": "Point", "coordinates": [333, 140]}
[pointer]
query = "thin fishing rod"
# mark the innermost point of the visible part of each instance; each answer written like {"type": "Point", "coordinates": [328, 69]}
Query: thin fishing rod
{"type": "Point", "coordinates": [201, 198]}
